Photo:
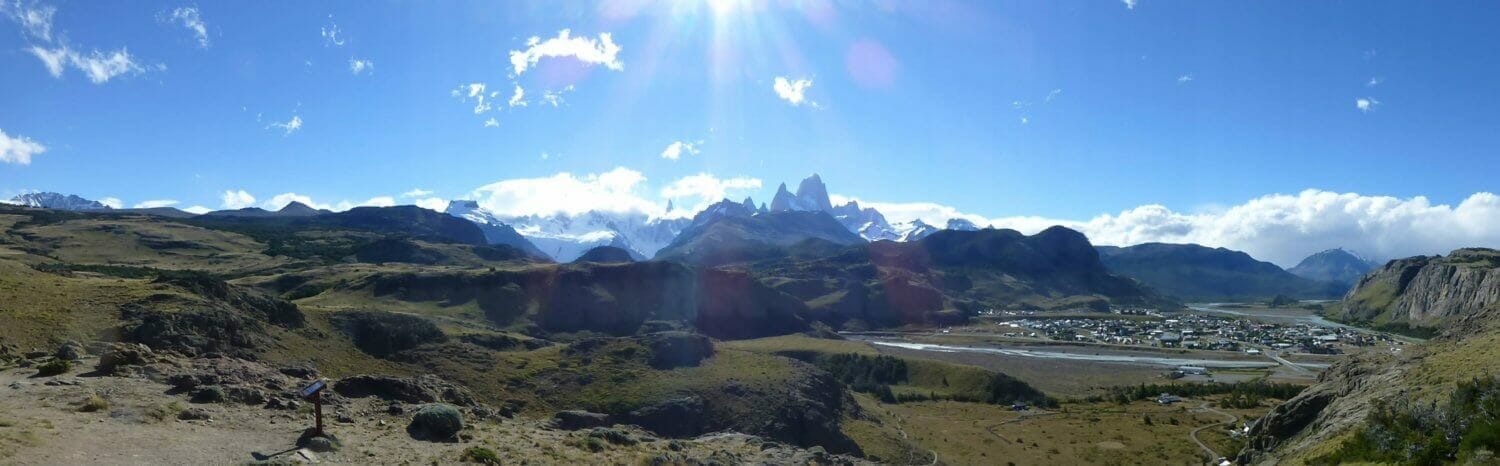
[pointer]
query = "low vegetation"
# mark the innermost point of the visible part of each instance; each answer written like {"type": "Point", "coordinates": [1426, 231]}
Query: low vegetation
{"type": "Point", "coordinates": [1465, 430]}
{"type": "Point", "coordinates": [1238, 395]}
{"type": "Point", "coordinates": [53, 367]}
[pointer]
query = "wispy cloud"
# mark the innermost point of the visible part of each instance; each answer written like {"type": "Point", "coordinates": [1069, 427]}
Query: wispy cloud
{"type": "Point", "coordinates": [1129, 4]}
{"type": "Point", "coordinates": [290, 126]}
{"type": "Point", "coordinates": [590, 51]}
{"type": "Point", "coordinates": [100, 67]}
{"type": "Point", "coordinates": [358, 66]}
{"type": "Point", "coordinates": [794, 91]}
{"type": "Point", "coordinates": [35, 19]}
{"type": "Point", "coordinates": [707, 189]}
{"type": "Point", "coordinates": [518, 97]}
{"type": "Point", "coordinates": [492, 123]}
{"type": "Point", "coordinates": [1184, 79]}
{"type": "Point", "coordinates": [555, 98]}
{"type": "Point", "coordinates": [1375, 81]}
{"type": "Point", "coordinates": [331, 34]}
{"type": "Point", "coordinates": [417, 192]}
{"type": "Point", "coordinates": [1366, 104]}
{"type": "Point", "coordinates": [189, 18]}
{"type": "Point", "coordinates": [197, 210]}
{"type": "Point", "coordinates": [676, 149]}
{"type": "Point", "coordinates": [19, 149]}
{"type": "Point", "coordinates": [155, 203]}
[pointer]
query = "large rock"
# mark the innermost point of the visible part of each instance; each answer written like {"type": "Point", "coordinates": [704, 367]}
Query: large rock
{"type": "Point", "coordinates": [436, 422]}
{"type": "Point", "coordinates": [119, 355]}
{"type": "Point", "coordinates": [681, 417]}
{"type": "Point", "coordinates": [421, 389]}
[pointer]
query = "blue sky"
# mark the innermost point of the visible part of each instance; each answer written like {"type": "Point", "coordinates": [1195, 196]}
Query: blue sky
{"type": "Point", "coordinates": [1001, 110]}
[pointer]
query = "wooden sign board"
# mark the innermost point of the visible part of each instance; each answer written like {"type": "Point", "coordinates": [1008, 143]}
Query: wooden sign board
{"type": "Point", "coordinates": [313, 389]}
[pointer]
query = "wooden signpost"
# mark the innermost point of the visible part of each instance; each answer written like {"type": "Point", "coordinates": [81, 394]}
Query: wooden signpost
{"type": "Point", "coordinates": [314, 392]}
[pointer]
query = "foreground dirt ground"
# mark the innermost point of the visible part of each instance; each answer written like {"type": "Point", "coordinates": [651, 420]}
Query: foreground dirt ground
{"type": "Point", "coordinates": [43, 420]}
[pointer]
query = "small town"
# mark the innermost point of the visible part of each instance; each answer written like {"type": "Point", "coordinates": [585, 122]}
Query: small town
{"type": "Point", "coordinates": [1187, 331]}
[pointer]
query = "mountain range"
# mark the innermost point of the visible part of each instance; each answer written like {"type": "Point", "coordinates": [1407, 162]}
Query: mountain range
{"type": "Point", "coordinates": [806, 224]}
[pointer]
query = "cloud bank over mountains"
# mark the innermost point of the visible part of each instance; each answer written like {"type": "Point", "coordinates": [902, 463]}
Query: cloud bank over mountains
{"type": "Point", "coordinates": [1281, 228]}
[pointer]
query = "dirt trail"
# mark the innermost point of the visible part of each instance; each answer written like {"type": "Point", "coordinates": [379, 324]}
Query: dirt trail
{"type": "Point", "coordinates": [1228, 418]}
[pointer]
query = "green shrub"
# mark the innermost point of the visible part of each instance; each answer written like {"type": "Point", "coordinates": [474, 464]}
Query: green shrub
{"type": "Point", "coordinates": [53, 367]}
{"type": "Point", "coordinates": [481, 455]}
{"type": "Point", "coordinates": [1420, 433]}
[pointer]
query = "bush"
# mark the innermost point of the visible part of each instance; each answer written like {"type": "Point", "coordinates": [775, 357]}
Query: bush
{"type": "Point", "coordinates": [53, 367]}
{"type": "Point", "coordinates": [480, 455]}
{"type": "Point", "coordinates": [94, 403]}
{"type": "Point", "coordinates": [1416, 432]}
{"type": "Point", "coordinates": [437, 421]}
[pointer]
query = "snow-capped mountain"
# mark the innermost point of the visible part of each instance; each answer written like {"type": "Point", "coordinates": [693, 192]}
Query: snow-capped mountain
{"type": "Point", "coordinates": [58, 201]}
{"type": "Point", "coordinates": [961, 225]}
{"type": "Point", "coordinates": [495, 231]}
{"type": "Point", "coordinates": [866, 222]}
{"type": "Point", "coordinates": [566, 237]}
{"type": "Point", "coordinates": [913, 230]}
{"type": "Point", "coordinates": [812, 195]}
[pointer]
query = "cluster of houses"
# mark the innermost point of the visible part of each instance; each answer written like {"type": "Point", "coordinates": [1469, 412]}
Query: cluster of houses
{"type": "Point", "coordinates": [1191, 331]}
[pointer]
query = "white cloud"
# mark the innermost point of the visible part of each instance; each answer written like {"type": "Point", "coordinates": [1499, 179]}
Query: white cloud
{"type": "Point", "coordinates": [416, 192]}
{"type": "Point", "coordinates": [707, 189]}
{"type": "Point", "coordinates": [189, 18]}
{"type": "Point", "coordinates": [517, 98]}
{"type": "Point", "coordinates": [1025, 119]}
{"type": "Point", "coordinates": [358, 66]}
{"type": "Point", "coordinates": [601, 51]}
{"type": "Point", "coordinates": [98, 66]}
{"type": "Point", "coordinates": [35, 19]}
{"type": "Point", "coordinates": [473, 91]}
{"type": "Point", "coordinates": [1184, 79]}
{"type": "Point", "coordinates": [1129, 4]}
{"type": "Point", "coordinates": [236, 199]}
{"type": "Point", "coordinates": [1052, 95]}
{"type": "Point", "coordinates": [381, 201]}
{"type": "Point", "coordinates": [1366, 104]}
{"type": "Point", "coordinates": [793, 91]}
{"type": "Point", "coordinates": [1281, 228]}
{"type": "Point", "coordinates": [152, 204]}
{"type": "Point", "coordinates": [555, 98]}
{"type": "Point", "coordinates": [331, 34]}
{"type": "Point", "coordinates": [677, 148]}
{"type": "Point", "coordinates": [1375, 81]}
{"type": "Point", "coordinates": [433, 203]}
{"type": "Point", "coordinates": [198, 210]}
{"type": "Point", "coordinates": [492, 123]}
{"type": "Point", "coordinates": [291, 126]}
{"type": "Point", "coordinates": [113, 202]}
{"type": "Point", "coordinates": [19, 149]}
{"type": "Point", "coordinates": [617, 190]}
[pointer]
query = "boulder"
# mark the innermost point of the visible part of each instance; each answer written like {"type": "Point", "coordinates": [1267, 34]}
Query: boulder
{"type": "Point", "coordinates": [194, 414]}
{"type": "Point", "coordinates": [70, 351]}
{"type": "Point", "coordinates": [118, 355]}
{"type": "Point", "coordinates": [436, 422]}
{"type": "Point", "coordinates": [681, 417]}
{"type": "Point", "coordinates": [575, 420]}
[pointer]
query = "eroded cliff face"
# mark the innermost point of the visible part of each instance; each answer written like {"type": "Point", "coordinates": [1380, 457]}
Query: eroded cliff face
{"type": "Point", "coordinates": [1460, 293]}
{"type": "Point", "coordinates": [1427, 291]}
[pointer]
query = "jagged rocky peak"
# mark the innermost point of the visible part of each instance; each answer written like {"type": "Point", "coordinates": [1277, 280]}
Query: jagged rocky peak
{"type": "Point", "coordinates": [783, 200]}
{"type": "Point", "coordinates": [457, 206]}
{"type": "Point", "coordinates": [814, 193]}
{"type": "Point", "coordinates": [58, 201]}
{"type": "Point", "coordinates": [749, 204]}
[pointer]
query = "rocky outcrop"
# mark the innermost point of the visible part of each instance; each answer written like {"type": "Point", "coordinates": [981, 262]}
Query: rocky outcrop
{"type": "Point", "coordinates": [1427, 291]}
{"type": "Point", "coordinates": [422, 389]}
{"type": "Point", "coordinates": [1459, 291]}
{"type": "Point", "coordinates": [383, 334]}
